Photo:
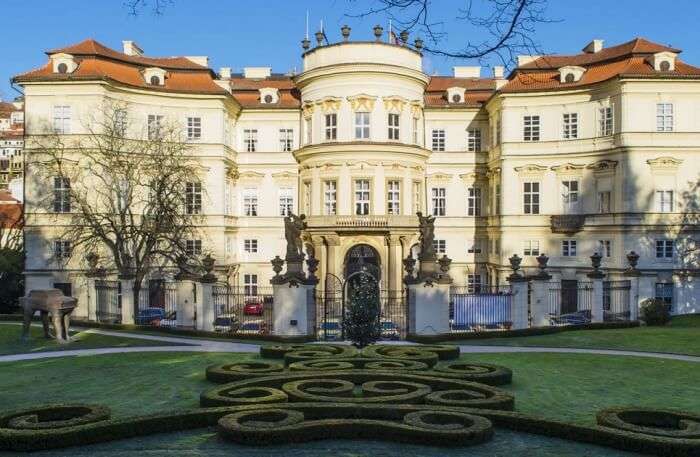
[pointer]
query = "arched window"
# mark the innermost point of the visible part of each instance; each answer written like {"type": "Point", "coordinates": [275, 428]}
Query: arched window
{"type": "Point", "coordinates": [569, 78]}
{"type": "Point", "coordinates": [665, 65]}
{"type": "Point", "coordinates": [155, 80]}
{"type": "Point", "coordinates": [62, 68]}
{"type": "Point", "coordinates": [268, 98]}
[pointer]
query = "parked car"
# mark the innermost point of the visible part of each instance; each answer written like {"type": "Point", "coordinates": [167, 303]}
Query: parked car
{"type": "Point", "coordinates": [170, 320]}
{"type": "Point", "coordinates": [330, 329]}
{"type": "Point", "coordinates": [150, 316]}
{"type": "Point", "coordinates": [226, 323]}
{"type": "Point", "coordinates": [253, 308]}
{"type": "Point", "coordinates": [255, 327]}
{"type": "Point", "coordinates": [390, 330]}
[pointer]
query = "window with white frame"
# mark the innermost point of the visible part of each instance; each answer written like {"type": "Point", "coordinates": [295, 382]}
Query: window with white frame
{"type": "Point", "coordinates": [308, 122]}
{"type": "Point", "coordinates": [664, 291]}
{"type": "Point", "coordinates": [393, 123]}
{"type": "Point", "coordinates": [605, 248]}
{"type": "Point", "coordinates": [415, 130]}
{"type": "Point", "coordinates": [475, 246]}
{"type": "Point", "coordinates": [439, 200]}
{"type": "Point", "coordinates": [605, 121]}
{"type": "Point", "coordinates": [569, 196]}
{"type": "Point", "coordinates": [604, 202]}
{"type": "Point", "coordinates": [664, 249]}
{"type": "Point", "coordinates": [61, 195]}
{"type": "Point", "coordinates": [531, 248]}
{"type": "Point", "coordinates": [154, 126]}
{"type": "Point", "coordinates": [531, 128]}
{"type": "Point", "coordinates": [330, 197]}
{"type": "Point", "coordinates": [417, 196]}
{"type": "Point", "coordinates": [664, 201]}
{"type": "Point", "coordinates": [250, 284]}
{"type": "Point", "coordinates": [362, 197]}
{"type": "Point", "coordinates": [193, 197]}
{"type": "Point", "coordinates": [474, 140]}
{"type": "Point", "coordinates": [61, 249]}
{"type": "Point", "coordinates": [570, 126]}
{"type": "Point", "coordinates": [306, 188]}
{"type": "Point", "coordinates": [229, 245]}
{"type": "Point", "coordinates": [194, 128]}
{"type": "Point", "coordinates": [250, 246]}
{"type": "Point", "coordinates": [473, 283]}
{"type": "Point", "coordinates": [286, 140]}
{"type": "Point", "coordinates": [331, 126]}
{"type": "Point", "coordinates": [193, 247]}
{"type": "Point", "coordinates": [568, 248]}
{"type": "Point", "coordinates": [62, 119]}
{"type": "Point", "coordinates": [531, 197]}
{"type": "Point", "coordinates": [250, 140]}
{"type": "Point", "coordinates": [361, 125]}
{"type": "Point", "coordinates": [393, 197]}
{"type": "Point", "coordinates": [664, 117]}
{"type": "Point", "coordinates": [250, 202]}
{"type": "Point", "coordinates": [474, 201]}
{"type": "Point", "coordinates": [440, 246]}
{"type": "Point", "coordinates": [438, 140]}
{"type": "Point", "coordinates": [286, 201]}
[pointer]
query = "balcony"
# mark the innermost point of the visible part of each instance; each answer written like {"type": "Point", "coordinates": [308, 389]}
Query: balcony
{"type": "Point", "coordinates": [567, 223]}
{"type": "Point", "coordinates": [369, 223]}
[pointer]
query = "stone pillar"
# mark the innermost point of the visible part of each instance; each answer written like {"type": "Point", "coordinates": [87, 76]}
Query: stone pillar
{"type": "Point", "coordinates": [633, 274]}
{"type": "Point", "coordinates": [186, 303]}
{"type": "Point", "coordinates": [539, 300]}
{"type": "Point", "coordinates": [291, 309]}
{"type": "Point", "coordinates": [596, 276]}
{"type": "Point", "coordinates": [333, 243]}
{"type": "Point", "coordinates": [428, 308]}
{"type": "Point", "coordinates": [128, 304]}
{"type": "Point", "coordinates": [205, 306]}
{"type": "Point", "coordinates": [519, 306]}
{"type": "Point", "coordinates": [394, 262]}
{"type": "Point", "coordinates": [91, 303]}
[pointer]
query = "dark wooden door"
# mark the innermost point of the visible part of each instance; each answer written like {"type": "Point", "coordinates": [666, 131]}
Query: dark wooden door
{"type": "Point", "coordinates": [569, 296]}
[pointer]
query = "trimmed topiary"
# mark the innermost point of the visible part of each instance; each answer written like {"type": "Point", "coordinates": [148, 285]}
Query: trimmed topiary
{"type": "Point", "coordinates": [656, 422]}
{"type": "Point", "coordinates": [414, 353]}
{"type": "Point", "coordinates": [655, 312]}
{"type": "Point", "coordinates": [241, 370]}
{"type": "Point", "coordinates": [494, 375]}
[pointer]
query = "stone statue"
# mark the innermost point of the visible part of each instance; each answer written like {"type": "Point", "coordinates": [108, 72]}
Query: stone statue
{"type": "Point", "coordinates": [293, 226]}
{"type": "Point", "coordinates": [427, 235]}
{"type": "Point", "coordinates": [49, 302]}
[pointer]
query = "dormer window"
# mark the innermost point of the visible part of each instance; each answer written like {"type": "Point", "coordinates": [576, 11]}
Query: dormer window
{"type": "Point", "coordinates": [571, 74]}
{"type": "Point", "coordinates": [155, 80]}
{"type": "Point", "coordinates": [63, 63]}
{"type": "Point", "coordinates": [62, 67]}
{"type": "Point", "coordinates": [269, 95]}
{"type": "Point", "coordinates": [455, 94]}
{"type": "Point", "coordinates": [154, 76]}
{"type": "Point", "coordinates": [663, 61]}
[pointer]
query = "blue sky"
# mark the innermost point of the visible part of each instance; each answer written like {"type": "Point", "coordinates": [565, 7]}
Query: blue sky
{"type": "Point", "coordinates": [267, 32]}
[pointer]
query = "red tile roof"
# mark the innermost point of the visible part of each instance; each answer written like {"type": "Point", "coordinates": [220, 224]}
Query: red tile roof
{"type": "Point", "coordinates": [478, 90]}
{"type": "Point", "coordinates": [10, 214]}
{"type": "Point", "coordinates": [247, 91]}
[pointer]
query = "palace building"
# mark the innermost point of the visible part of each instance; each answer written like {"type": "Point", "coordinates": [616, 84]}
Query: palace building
{"type": "Point", "coordinates": [567, 155]}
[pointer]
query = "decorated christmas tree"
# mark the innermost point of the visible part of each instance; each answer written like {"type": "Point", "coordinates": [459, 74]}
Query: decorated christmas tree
{"type": "Point", "coordinates": [361, 323]}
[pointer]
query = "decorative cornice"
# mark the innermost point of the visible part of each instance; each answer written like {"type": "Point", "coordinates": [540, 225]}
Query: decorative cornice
{"type": "Point", "coordinates": [603, 165]}
{"type": "Point", "coordinates": [664, 163]}
{"type": "Point", "coordinates": [394, 103]}
{"type": "Point", "coordinates": [416, 107]}
{"type": "Point", "coordinates": [362, 102]}
{"type": "Point", "coordinates": [568, 168]}
{"type": "Point", "coordinates": [250, 174]}
{"type": "Point", "coordinates": [493, 172]}
{"type": "Point", "coordinates": [307, 109]}
{"type": "Point", "coordinates": [439, 176]}
{"type": "Point", "coordinates": [232, 173]}
{"type": "Point", "coordinates": [531, 169]}
{"type": "Point", "coordinates": [284, 175]}
{"type": "Point", "coordinates": [329, 104]}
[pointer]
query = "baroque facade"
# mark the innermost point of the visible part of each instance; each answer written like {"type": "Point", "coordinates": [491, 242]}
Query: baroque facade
{"type": "Point", "coordinates": [565, 156]}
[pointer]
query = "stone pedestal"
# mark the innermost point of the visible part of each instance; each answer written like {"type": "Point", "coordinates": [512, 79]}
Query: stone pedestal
{"type": "Point", "coordinates": [185, 302]}
{"type": "Point", "coordinates": [293, 309]}
{"type": "Point", "coordinates": [91, 298]}
{"type": "Point", "coordinates": [428, 308]}
{"type": "Point", "coordinates": [519, 305]}
{"type": "Point", "coordinates": [539, 301]}
{"type": "Point", "coordinates": [128, 305]}
{"type": "Point", "coordinates": [597, 311]}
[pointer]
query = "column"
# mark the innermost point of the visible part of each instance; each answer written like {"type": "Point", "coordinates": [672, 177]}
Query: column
{"type": "Point", "coordinates": [333, 242]}
{"type": "Point", "coordinates": [519, 306]}
{"type": "Point", "coordinates": [394, 268]}
{"type": "Point", "coordinates": [634, 296]}
{"type": "Point", "coordinates": [128, 304]}
{"type": "Point", "coordinates": [539, 301]}
{"type": "Point", "coordinates": [597, 312]}
{"type": "Point", "coordinates": [91, 297]}
{"type": "Point", "coordinates": [205, 306]}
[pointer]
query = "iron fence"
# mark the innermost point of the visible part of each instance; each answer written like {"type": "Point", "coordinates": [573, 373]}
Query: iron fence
{"type": "Point", "coordinates": [570, 302]}
{"type": "Point", "coordinates": [329, 314]}
{"type": "Point", "coordinates": [244, 310]}
{"type": "Point", "coordinates": [157, 304]}
{"type": "Point", "coordinates": [393, 314]}
{"type": "Point", "coordinates": [108, 301]}
{"type": "Point", "coordinates": [483, 308]}
{"type": "Point", "coordinates": [616, 300]}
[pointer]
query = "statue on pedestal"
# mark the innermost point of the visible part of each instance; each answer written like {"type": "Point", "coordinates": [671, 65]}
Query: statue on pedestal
{"type": "Point", "coordinates": [293, 226]}
{"type": "Point", "coordinates": [426, 226]}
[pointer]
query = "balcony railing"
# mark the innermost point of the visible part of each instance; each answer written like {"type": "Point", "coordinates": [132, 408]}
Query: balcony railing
{"type": "Point", "coordinates": [366, 222]}
{"type": "Point", "coordinates": [567, 223]}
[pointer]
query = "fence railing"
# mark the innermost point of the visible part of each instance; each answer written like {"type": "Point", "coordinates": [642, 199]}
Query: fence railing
{"type": "Point", "coordinates": [157, 306]}
{"type": "Point", "coordinates": [570, 303]}
{"type": "Point", "coordinates": [616, 301]}
{"type": "Point", "coordinates": [109, 301]}
{"type": "Point", "coordinates": [243, 310]}
{"type": "Point", "coordinates": [481, 308]}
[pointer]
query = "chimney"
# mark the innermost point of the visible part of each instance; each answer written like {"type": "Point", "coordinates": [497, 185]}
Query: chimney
{"type": "Point", "coordinates": [257, 72]}
{"type": "Point", "coordinates": [466, 72]}
{"type": "Point", "coordinates": [199, 60]}
{"type": "Point", "coordinates": [131, 48]}
{"type": "Point", "coordinates": [593, 47]}
{"type": "Point", "coordinates": [225, 72]}
{"type": "Point", "coordinates": [498, 72]}
{"type": "Point", "coordinates": [524, 60]}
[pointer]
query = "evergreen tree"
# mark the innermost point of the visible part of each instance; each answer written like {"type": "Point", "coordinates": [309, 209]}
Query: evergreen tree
{"type": "Point", "coordinates": [361, 323]}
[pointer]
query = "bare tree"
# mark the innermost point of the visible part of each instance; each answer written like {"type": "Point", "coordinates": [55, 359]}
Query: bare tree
{"type": "Point", "coordinates": [11, 226]}
{"type": "Point", "coordinates": [124, 196]}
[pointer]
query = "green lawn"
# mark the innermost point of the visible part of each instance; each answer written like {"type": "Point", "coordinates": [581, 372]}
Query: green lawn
{"type": "Point", "coordinates": [11, 343]}
{"type": "Point", "coordinates": [681, 336]}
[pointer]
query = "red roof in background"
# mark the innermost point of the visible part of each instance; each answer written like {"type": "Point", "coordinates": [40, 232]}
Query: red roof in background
{"type": "Point", "coordinates": [10, 210]}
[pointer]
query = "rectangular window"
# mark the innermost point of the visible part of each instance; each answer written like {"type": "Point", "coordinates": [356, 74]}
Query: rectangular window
{"type": "Point", "coordinates": [570, 126]}
{"type": "Point", "coordinates": [474, 201]}
{"type": "Point", "coordinates": [568, 248]}
{"type": "Point", "coordinates": [330, 198]}
{"type": "Point", "coordinates": [605, 248]}
{"type": "Point", "coordinates": [664, 201]}
{"type": "Point", "coordinates": [664, 249]}
{"type": "Point", "coordinates": [531, 128]}
{"type": "Point", "coordinates": [193, 247]}
{"type": "Point", "coordinates": [531, 248]}
{"type": "Point", "coordinates": [473, 284]}
{"type": "Point", "coordinates": [415, 130]}
{"type": "Point", "coordinates": [286, 140]}
{"type": "Point", "coordinates": [417, 197]}
{"type": "Point", "coordinates": [474, 140]}
{"type": "Point", "coordinates": [439, 201]}
{"type": "Point", "coordinates": [250, 246]}
{"type": "Point", "coordinates": [193, 198]}
{"type": "Point", "coordinates": [475, 247]}
{"type": "Point", "coordinates": [393, 121]}
{"type": "Point", "coordinates": [664, 292]}
{"type": "Point", "coordinates": [605, 121]}
{"type": "Point", "coordinates": [61, 119]}
{"type": "Point", "coordinates": [440, 246]}
{"type": "Point", "coordinates": [393, 197]}
{"type": "Point", "coordinates": [569, 196]}
{"type": "Point", "coordinates": [604, 202]}
{"type": "Point", "coordinates": [664, 117]}
{"type": "Point", "coordinates": [250, 202]}
{"type": "Point", "coordinates": [361, 125]}
{"type": "Point", "coordinates": [531, 198]}
{"type": "Point", "coordinates": [250, 284]}
{"type": "Point", "coordinates": [362, 196]}
{"type": "Point", "coordinates": [250, 140]}
{"type": "Point", "coordinates": [155, 125]}
{"type": "Point", "coordinates": [438, 140]}
{"type": "Point", "coordinates": [61, 249]}
{"type": "Point", "coordinates": [194, 128]}
{"type": "Point", "coordinates": [331, 127]}
{"type": "Point", "coordinates": [286, 201]}
{"type": "Point", "coordinates": [61, 195]}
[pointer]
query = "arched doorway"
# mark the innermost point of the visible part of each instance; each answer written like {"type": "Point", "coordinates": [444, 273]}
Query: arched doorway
{"type": "Point", "coordinates": [362, 256]}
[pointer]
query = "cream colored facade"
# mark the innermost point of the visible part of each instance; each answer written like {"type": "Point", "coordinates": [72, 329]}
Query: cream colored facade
{"type": "Point", "coordinates": [381, 177]}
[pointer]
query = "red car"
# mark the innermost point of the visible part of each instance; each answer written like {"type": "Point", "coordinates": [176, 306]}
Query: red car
{"type": "Point", "coordinates": [253, 309]}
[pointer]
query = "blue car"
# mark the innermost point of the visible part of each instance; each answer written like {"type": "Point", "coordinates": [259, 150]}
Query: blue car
{"type": "Point", "coordinates": [150, 316]}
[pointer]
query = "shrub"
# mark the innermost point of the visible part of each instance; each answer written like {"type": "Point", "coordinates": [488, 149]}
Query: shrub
{"type": "Point", "coordinates": [361, 322]}
{"type": "Point", "coordinates": [655, 312]}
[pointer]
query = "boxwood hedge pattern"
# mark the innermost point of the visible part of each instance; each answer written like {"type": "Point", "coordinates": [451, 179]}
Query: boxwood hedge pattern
{"type": "Point", "coordinates": [416, 394]}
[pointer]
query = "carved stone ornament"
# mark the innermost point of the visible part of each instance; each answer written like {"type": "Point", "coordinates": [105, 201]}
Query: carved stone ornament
{"type": "Point", "coordinates": [362, 102]}
{"type": "Point", "coordinates": [568, 168]}
{"type": "Point", "coordinates": [531, 169]}
{"type": "Point", "coordinates": [664, 163]}
{"type": "Point", "coordinates": [603, 166]}
{"type": "Point", "coordinates": [330, 104]}
{"type": "Point", "coordinates": [394, 103]}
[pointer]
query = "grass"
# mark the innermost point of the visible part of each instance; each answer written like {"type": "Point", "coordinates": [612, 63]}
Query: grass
{"type": "Point", "coordinates": [680, 336]}
{"type": "Point", "coordinates": [11, 343]}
